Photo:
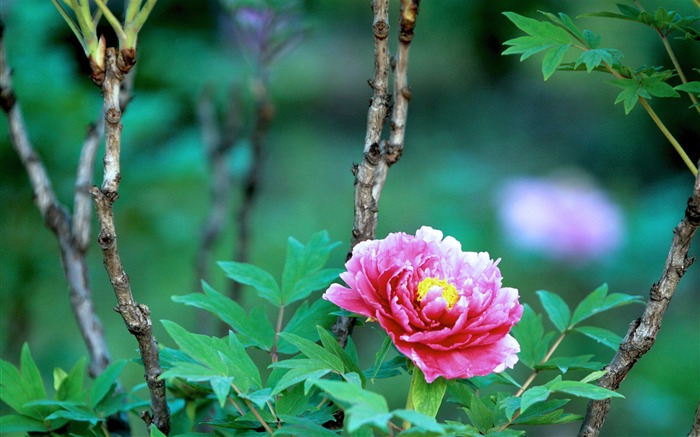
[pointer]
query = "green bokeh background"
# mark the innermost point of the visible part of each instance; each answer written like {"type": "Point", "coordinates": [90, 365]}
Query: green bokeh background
{"type": "Point", "coordinates": [476, 119]}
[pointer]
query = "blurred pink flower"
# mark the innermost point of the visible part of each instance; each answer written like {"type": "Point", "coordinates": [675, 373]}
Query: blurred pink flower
{"type": "Point", "coordinates": [443, 308]}
{"type": "Point", "coordinates": [563, 218]}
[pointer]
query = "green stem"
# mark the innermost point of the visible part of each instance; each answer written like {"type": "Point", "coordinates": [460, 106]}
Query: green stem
{"type": "Point", "coordinates": [678, 68]}
{"type": "Point", "coordinates": [278, 329]}
{"type": "Point", "coordinates": [669, 136]}
{"type": "Point", "coordinates": [532, 376]}
{"type": "Point", "coordinates": [113, 21]}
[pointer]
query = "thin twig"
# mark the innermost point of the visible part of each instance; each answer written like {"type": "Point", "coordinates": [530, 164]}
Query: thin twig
{"type": "Point", "coordinates": [136, 316]}
{"type": "Point", "coordinates": [264, 113]}
{"type": "Point", "coordinates": [218, 143]}
{"type": "Point", "coordinates": [643, 331]}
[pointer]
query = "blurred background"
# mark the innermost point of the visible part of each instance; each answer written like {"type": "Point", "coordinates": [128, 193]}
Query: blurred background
{"type": "Point", "coordinates": [492, 153]}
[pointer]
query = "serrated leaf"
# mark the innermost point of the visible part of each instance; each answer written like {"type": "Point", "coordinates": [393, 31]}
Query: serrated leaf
{"type": "Point", "coordinates": [249, 274]}
{"type": "Point", "coordinates": [255, 330]}
{"type": "Point", "coordinates": [584, 390]}
{"type": "Point", "coordinates": [104, 383]}
{"type": "Point", "coordinates": [315, 352]}
{"type": "Point", "coordinates": [532, 396]}
{"type": "Point", "coordinates": [601, 335]}
{"type": "Point", "coordinates": [557, 310]}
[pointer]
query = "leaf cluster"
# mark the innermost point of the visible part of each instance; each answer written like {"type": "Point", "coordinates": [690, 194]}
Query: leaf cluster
{"type": "Point", "coordinates": [73, 410]}
{"type": "Point", "coordinates": [558, 34]}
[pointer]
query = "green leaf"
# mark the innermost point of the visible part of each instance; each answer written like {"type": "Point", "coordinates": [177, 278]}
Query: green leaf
{"type": "Point", "coordinates": [302, 272]}
{"type": "Point", "coordinates": [594, 376]}
{"type": "Point", "coordinates": [301, 370]}
{"type": "Point", "coordinates": [315, 352]}
{"type": "Point", "coordinates": [197, 346]}
{"type": "Point", "coordinates": [598, 301]}
{"type": "Point", "coordinates": [304, 321]}
{"type": "Point", "coordinates": [221, 385]}
{"type": "Point", "coordinates": [330, 343]}
{"type": "Point", "coordinates": [301, 426]}
{"type": "Point", "coordinates": [565, 22]}
{"type": "Point", "coordinates": [601, 335]}
{"type": "Point", "coordinates": [19, 423]}
{"type": "Point", "coordinates": [584, 390]}
{"type": "Point", "coordinates": [71, 386]}
{"type": "Point", "coordinates": [426, 422]}
{"type": "Point", "coordinates": [155, 432]}
{"type": "Point", "coordinates": [539, 412]}
{"type": "Point", "coordinates": [557, 310]}
{"type": "Point", "coordinates": [690, 88]}
{"type": "Point", "coordinates": [380, 356]}
{"type": "Point", "coordinates": [598, 57]}
{"type": "Point", "coordinates": [656, 86]}
{"type": "Point", "coordinates": [104, 383]}
{"type": "Point", "coordinates": [77, 412]}
{"type": "Point", "coordinates": [540, 29]}
{"type": "Point", "coordinates": [552, 59]}
{"type": "Point", "coordinates": [254, 330]}
{"type": "Point", "coordinates": [530, 335]}
{"type": "Point", "coordinates": [425, 397]}
{"type": "Point", "coordinates": [564, 364]}
{"type": "Point", "coordinates": [591, 39]}
{"type": "Point", "coordinates": [19, 387]}
{"type": "Point", "coordinates": [241, 366]}
{"type": "Point", "coordinates": [362, 407]}
{"type": "Point", "coordinates": [256, 277]}
{"type": "Point", "coordinates": [532, 396]}
{"type": "Point", "coordinates": [480, 414]}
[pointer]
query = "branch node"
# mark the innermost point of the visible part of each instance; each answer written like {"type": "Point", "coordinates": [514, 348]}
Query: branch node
{"type": "Point", "coordinates": [380, 29]}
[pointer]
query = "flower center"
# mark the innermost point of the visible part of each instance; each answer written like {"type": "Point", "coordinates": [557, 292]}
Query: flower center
{"type": "Point", "coordinates": [449, 292]}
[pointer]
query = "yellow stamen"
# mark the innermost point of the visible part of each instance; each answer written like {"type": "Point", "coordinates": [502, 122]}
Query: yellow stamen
{"type": "Point", "coordinates": [449, 292]}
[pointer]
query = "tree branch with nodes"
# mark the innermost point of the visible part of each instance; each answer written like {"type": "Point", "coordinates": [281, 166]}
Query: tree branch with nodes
{"type": "Point", "coordinates": [642, 332]}
{"type": "Point", "coordinates": [379, 154]}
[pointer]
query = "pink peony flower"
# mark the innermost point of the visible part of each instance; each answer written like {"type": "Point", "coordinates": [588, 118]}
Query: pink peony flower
{"type": "Point", "coordinates": [443, 308]}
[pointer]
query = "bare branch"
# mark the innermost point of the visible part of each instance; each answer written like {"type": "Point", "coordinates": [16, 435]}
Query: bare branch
{"type": "Point", "coordinates": [264, 113]}
{"type": "Point", "coordinates": [695, 428]}
{"type": "Point", "coordinates": [71, 236]}
{"type": "Point", "coordinates": [378, 154]}
{"type": "Point", "coordinates": [643, 331]}
{"type": "Point", "coordinates": [136, 316]}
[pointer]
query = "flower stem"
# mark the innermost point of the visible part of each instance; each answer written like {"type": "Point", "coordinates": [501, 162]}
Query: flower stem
{"type": "Point", "coordinates": [278, 329]}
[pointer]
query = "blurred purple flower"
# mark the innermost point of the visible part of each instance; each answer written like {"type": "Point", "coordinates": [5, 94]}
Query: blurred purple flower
{"type": "Point", "coordinates": [266, 31]}
{"type": "Point", "coordinates": [560, 217]}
